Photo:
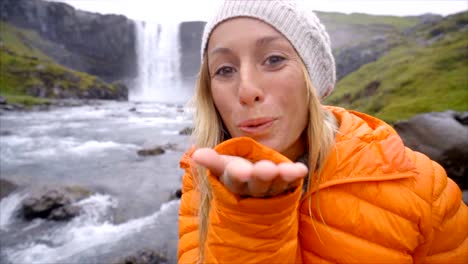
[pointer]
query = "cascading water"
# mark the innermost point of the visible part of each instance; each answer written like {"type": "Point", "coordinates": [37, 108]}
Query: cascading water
{"type": "Point", "coordinates": [158, 54]}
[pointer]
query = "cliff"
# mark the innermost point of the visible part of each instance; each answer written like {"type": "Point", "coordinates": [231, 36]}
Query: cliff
{"type": "Point", "coordinates": [101, 45]}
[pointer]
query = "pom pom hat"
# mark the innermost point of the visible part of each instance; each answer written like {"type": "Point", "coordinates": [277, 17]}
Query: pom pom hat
{"type": "Point", "coordinates": [300, 26]}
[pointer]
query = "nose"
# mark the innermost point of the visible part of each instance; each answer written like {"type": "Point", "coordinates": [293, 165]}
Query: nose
{"type": "Point", "coordinates": [250, 90]}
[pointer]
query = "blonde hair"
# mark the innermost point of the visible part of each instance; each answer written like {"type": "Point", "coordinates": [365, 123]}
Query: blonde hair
{"type": "Point", "coordinates": [208, 132]}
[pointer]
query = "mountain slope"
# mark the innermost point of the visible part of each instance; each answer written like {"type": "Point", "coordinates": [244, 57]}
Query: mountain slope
{"type": "Point", "coordinates": [26, 71]}
{"type": "Point", "coordinates": [427, 72]}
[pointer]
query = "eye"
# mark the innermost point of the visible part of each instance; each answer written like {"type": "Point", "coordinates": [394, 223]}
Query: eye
{"type": "Point", "coordinates": [225, 71]}
{"type": "Point", "coordinates": [274, 60]}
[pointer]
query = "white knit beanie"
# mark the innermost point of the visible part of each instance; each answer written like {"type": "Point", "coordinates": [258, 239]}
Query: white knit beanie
{"type": "Point", "coordinates": [300, 26]}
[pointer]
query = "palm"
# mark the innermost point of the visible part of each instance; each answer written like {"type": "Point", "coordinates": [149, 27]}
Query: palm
{"type": "Point", "coordinates": [259, 179]}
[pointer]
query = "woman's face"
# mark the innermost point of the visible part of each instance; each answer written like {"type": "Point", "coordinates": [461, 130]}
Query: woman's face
{"type": "Point", "coordinates": [258, 85]}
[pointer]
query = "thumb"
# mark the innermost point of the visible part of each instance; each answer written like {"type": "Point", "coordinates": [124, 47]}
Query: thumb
{"type": "Point", "coordinates": [210, 159]}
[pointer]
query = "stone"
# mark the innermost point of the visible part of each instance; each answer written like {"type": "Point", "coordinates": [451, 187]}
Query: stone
{"type": "Point", "coordinates": [145, 256]}
{"type": "Point", "coordinates": [64, 213]}
{"type": "Point", "coordinates": [186, 131]}
{"type": "Point", "coordinates": [151, 152]}
{"type": "Point", "coordinates": [443, 137]}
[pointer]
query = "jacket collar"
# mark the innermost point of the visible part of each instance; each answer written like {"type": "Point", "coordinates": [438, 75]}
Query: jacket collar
{"type": "Point", "coordinates": [366, 149]}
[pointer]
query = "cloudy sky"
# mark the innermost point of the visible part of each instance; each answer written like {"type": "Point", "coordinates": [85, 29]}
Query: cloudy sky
{"type": "Point", "coordinates": [186, 10]}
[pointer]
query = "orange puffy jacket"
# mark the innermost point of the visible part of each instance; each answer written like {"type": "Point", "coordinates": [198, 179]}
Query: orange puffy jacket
{"type": "Point", "coordinates": [379, 203]}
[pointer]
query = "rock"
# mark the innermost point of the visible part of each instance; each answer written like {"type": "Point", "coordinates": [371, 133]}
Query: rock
{"type": "Point", "coordinates": [64, 213]}
{"type": "Point", "coordinates": [42, 207]}
{"type": "Point", "coordinates": [176, 195]}
{"type": "Point", "coordinates": [151, 152]}
{"type": "Point", "coordinates": [110, 55]}
{"type": "Point", "coordinates": [5, 133]}
{"type": "Point", "coordinates": [2, 100]}
{"type": "Point", "coordinates": [145, 257]}
{"type": "Point", "coordinates": [53, 204]}
{"type": "Point", "coordinates": [186, 131]}
{"type": "Point", "coordinates": [6, 188]}
{"type": "Point", "coordinates": [133, 109]}
{"type": "Point", "coordinates": [190, 36]}
{"type": "Point", "coordinates": [442, 136]}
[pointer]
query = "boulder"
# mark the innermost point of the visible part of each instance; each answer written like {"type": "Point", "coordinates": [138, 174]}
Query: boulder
{"type": "Point", "coordinates": [53, 203]}
{"type": "Point", "coordinates": [151, 151]}
{"type": "Point", "coordinates": [442, 136]}
{"type": "Point", "coordinates": [144, 257]}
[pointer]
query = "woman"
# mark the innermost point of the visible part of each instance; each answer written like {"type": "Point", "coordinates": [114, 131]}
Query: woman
{"type": "Point", "coordinates": [279, 178]}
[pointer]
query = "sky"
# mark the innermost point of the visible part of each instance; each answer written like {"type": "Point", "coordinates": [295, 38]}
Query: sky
{"type": "Point", "coordinates": [190, 10]}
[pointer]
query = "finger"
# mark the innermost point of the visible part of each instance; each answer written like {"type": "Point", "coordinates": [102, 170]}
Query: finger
{"type": "Point", "coordinates": [291, 172]}
{"type": "Point", "coordinates": [236, 175]}
{"type": "Point", "coordinates": [278, 186]}
{"type": "Point", "coordinates": [210, 159]}
{"type": "Point", "coordinates": [263, 172]}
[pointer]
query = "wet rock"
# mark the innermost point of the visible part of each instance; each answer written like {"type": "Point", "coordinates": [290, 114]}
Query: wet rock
{"type": "Point", "coordinates": [133, 109]}
{"type": "Point", "coordinates": [42, 207]}
{"type": "Point", "coordinates": [6, 188]}
{"type": "Point", "coordinates": [442, 136]}
{"type": "Point", "coordinates": [151, 152]}
{"type": "Point", "coordinates": [53, 204]}
{"type": "Point", "coordinates": [144, 257]}
{"type": "Point", "coordinates": [186, 131]}
{"type": "Point", "coordinates": [2, 100]}
{"type": "Point", "coordinates": [64, 213]}
{"type": "Point", "coordinates": [176, 195]}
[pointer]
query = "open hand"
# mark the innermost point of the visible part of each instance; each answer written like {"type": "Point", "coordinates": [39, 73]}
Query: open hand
{"type": "Point", "coordinates": [260, 179]}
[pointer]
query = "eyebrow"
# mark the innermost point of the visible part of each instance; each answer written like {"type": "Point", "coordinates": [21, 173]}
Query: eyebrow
{"type": "Point", "coordinates": [266, 40]}
{"type": "Point", "coordinates": [260, 42]}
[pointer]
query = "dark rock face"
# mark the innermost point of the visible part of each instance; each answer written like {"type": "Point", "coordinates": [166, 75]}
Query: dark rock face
{"type": "Point", "coordinates": [352, 58]}
{"type": "Point", "coordinates": [190, 35]}
{"type": "Point", "coordinates": [101, 45]}
{"type": "Point", "coordinates": [443, 137]}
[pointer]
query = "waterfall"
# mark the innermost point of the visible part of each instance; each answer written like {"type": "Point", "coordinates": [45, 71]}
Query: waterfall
{"type": "Point", "coordinates": [158, 54]}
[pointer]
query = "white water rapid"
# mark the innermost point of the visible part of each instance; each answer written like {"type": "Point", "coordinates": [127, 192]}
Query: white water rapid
{"type": "Point", "coordinates": [158, 55]}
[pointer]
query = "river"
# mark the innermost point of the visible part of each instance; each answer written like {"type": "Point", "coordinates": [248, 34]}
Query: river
{"type": "Point", "coordinates": [93, 146]}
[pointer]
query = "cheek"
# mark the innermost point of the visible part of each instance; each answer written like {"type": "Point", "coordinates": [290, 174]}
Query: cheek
{"type": "Point", "coordinates": [223, 103]}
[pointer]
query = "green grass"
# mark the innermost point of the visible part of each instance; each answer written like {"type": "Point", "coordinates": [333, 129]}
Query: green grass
{"type": "Point", "coordinates": [20, 41]}
{"type": "Point", "coordinates": [413, 79]}
{"type": "Point", "coordinates": [23, 66]}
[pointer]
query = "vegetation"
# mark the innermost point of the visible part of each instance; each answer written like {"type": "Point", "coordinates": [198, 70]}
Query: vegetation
{"type": "Point", "coordinates": [428, 72]}
{"type": "Point", "coordinates": [28, 76]}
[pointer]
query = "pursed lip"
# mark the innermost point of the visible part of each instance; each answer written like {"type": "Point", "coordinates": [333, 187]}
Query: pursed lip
{"type": "Point", "coordinates": [257, 125]}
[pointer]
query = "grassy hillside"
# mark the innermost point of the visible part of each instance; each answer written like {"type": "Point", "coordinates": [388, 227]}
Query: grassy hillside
{"type": "Point", "coordinates": [428, 72]}
{"type": "Point", "coordinates": [27, 75]}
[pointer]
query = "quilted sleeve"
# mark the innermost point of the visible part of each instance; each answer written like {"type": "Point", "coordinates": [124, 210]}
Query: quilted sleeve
{"type": "Point", "coordinates": [240, 230]}
{"type": "Point", "coordinates": [252, 230]}
{"type": "Point", "coordinates": [449, 221]}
